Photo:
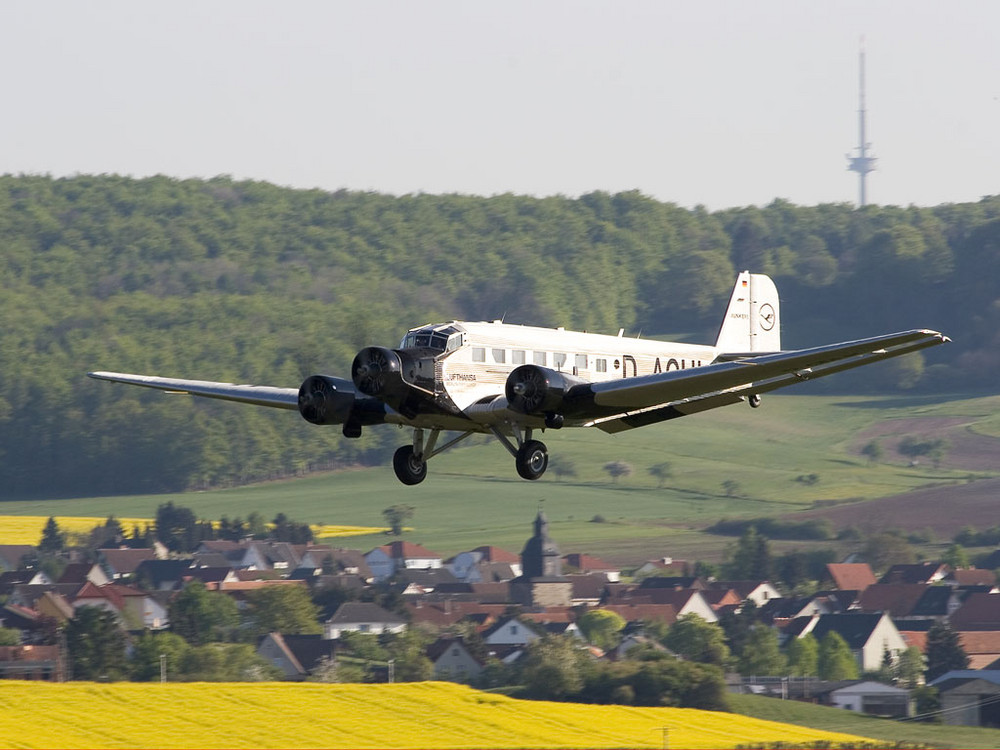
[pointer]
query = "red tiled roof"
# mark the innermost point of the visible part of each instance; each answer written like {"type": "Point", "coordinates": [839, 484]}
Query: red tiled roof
{"type": "Point", "coordinates": [898, 599]}
{"type": "Point", "coordinates": [496, 554]}
{"type": "Point", "coordinates": [978, 612]}
{"type": "Point", "coordinates": [408, 550]}
{"type": "Point", "coordinates": [635, 612]}
{"type": "Point", "coordinates": [849, 576]}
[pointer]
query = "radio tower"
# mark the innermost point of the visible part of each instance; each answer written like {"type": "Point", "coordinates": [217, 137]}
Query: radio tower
{"type": "Point", "coordinates": [862, 163]}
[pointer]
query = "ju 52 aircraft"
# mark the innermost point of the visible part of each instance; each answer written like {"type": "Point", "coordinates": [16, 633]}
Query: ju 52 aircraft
{"type": "Point", "coordinates": [512, 381]}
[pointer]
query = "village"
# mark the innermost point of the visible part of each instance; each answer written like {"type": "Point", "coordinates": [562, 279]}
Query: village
{"type": "Point", "coordinates": [920, 639]}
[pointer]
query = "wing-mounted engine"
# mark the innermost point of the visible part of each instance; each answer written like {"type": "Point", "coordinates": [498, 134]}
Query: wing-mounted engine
{"type": "Point", "coordinates": [327, 400]}
{"type": "Point", "coordinates": [539, 391]}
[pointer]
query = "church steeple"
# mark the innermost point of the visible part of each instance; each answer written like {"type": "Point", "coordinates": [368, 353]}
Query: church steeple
{"type": "Point", "coordinates": [540, 556]}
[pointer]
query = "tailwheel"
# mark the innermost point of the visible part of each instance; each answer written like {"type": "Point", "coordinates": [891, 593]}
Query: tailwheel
{"type": "Point", "coordinates": [532, 459]}
{"type": "Point", "coordinates": [409, 468]}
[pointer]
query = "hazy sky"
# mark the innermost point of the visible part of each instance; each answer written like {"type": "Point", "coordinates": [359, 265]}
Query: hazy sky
{"type": "Point", "coordinates": [695, 102]}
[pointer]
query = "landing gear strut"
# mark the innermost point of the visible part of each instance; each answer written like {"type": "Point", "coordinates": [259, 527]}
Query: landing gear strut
{"type": "Point", "coordinates": [531, 457]}
{"type": "Point", "coordinates": [410, 461]}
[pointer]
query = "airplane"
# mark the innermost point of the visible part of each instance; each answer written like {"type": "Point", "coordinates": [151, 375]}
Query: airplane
{"type": "Point", "coordinates": [513, 380]}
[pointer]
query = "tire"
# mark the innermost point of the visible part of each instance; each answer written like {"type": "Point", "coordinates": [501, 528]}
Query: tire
{"type": "Point", "coordinates": [532, 460]}
{"type": "Point", "coordinates": [409, 469]}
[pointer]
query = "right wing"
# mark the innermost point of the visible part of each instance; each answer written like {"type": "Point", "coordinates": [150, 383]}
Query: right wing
{"type": "Point", "coordinates": [259, 395]}
{"type": "Point", "coordinates": [655, 398]}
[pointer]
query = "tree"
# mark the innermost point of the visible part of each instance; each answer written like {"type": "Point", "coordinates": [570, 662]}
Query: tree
{"type": "Point", "coordinates": [10, 637]}
{"type": "Point", "coordinates": [601, 627]}
{"type": "Point", "coordinates": [761, 654]}
{"type": "Point", "coordinates": [617, 469]}
{"type": "Point", "coordinates": [96, 645]}
{"type": "Point", "coordinates": [176, 527]}
{"type": "Point", "coordinates": [662, 471]}
{"type": "Point", "coordinates": [201, 616]}
{"type": "Point", "coordinates": [803, 656]}
{"type": "Point", "coordinates": [562, 467]}
{"type": "Point", "coordinates": [886, 549]}
{"type": "Point", "coordinates": [944, 652]}
{"type": "Point", "coordinates": [396, 516]}
{"type": "Point", "coordinates": [697, 640]}
{"type": "Point", "coordinates": [752, 557]}
{"type": "Point", "coordinates": [408, 652]}
{"type": "Point", "coordinates": [731, 487]}
{"type": "Point", "coordinates": [873, 451]}
{"type": "Point", "coordinates": [955, 557]}
{"type": "Point", "coordinates": [551, 668]}
{"type": "Point", "coordinates": [285, 609]}
{"type": "Point", "coordinates": [836, 662]}
{"type": "Point", "coordinates": [53, 539]}
{"type": "Point", "coordinates": [147, 652]}
{"type": "Point", "coordinates": [909, 669]}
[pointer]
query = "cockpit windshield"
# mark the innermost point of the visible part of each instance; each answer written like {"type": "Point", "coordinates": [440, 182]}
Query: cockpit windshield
{"type": "Point", "coordinates": [438, 338]}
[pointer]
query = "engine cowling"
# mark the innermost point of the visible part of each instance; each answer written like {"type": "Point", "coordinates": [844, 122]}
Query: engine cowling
{"type": "Point", "coordinates": [326, 400]}
{"type": "Point", "coordinates": [378, 371]}
{"type": "Point", "coordinates": [539, 391]}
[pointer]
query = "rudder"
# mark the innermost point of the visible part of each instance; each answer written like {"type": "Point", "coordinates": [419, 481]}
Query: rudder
{"type": "Point", "coordinates": [752, 322]}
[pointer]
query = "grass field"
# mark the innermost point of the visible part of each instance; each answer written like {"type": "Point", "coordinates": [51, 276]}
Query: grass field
{"type": "Point", "coordinates": [472, 496]}
{"type": "Point", "coordinates": [839, 720]}
{"type": "Point", "coordinates": [311, 715]}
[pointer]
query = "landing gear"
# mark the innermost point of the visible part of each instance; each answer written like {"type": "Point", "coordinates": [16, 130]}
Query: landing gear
{"type": "Point", "coordinates": [410, 468]}
{"type": "Point", "coordinates": [410, 461]}
{"type": "Point", "coordinates": [532, 459]}
{"type": "Point", "coordinates": [754, 401]}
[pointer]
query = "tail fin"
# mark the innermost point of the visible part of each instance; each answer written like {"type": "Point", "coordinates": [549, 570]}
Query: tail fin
{"type": "Point", "coordinates": [752, 322]}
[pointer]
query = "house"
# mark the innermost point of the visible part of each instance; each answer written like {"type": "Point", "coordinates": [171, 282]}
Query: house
{"type": "Point", "coordinates": [453, 660]}
{"type": "Point", "coordinates": [634, 612]}
{"type": "Point", "coordinates": [896, 599]}
{"type": "Point", "coordinates": [661, 566]}
{"type": "Point", "coordinates": [161, 575]}
{"type": "Point", "coordinates": [850, 576]}
{"type": "Point", "coordinates": [981, 646]}
{"type": "Point", "coordinates": [30, 662]}
{"type": "Point", "coordinates": [362, 617]}
{"type": "Point", "coordinates": [875, 698]}
{"type": "Point", "coordinates": [137, 609]}
{"type": "Point", "coordinates": [868, 636]}
{"type": "Point", "coordinates": [81, 573]}
{"type": "Point", "coordinates": [684, 601]}
{"type": "Point", "coordinates": [122, 563]}
{"type": "Point", "coordinates": [971, 577]}
{"type": "Point", "coordinates": [384, 561]}
{"type": "Point", "coordinates": [979, 611]}
{"type": "Point", "coordinates": [970, 697]}
{"type": "Point", "coordinates": [11, 555]}
{"type": "Point", "coordinates": [484, 564]}
{"type": "Point", "coordinates": [926, 572]}
{"type": "Point", "coordinates": [332, 561]}
{"type": "Point", "coordinates": [590, 565]}
{"type": "Point", "coordinates": [513, 631]}
{"type": "Point", "coordinates": [759, 592]}
{"type": "Point", "coordinates": [297, 656]}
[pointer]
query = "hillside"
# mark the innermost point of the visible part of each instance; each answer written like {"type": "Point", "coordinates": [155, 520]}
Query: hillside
{"type": "Point", "coordinates": [313, 715]}
{"type": "Point", "coordinates": [248, 282]}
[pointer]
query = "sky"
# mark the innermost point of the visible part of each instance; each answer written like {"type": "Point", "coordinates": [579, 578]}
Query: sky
{"type": "Point", "coordinates": [695, 102]}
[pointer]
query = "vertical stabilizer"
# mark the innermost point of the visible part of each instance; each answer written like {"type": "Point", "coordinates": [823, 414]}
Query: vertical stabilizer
{"type": "Point", "coordinates": [752, 322]}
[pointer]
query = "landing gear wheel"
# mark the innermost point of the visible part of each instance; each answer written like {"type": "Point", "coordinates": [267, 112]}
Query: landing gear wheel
{"type": "Point", "coordinates": [532, 459]}
{"type": "Point", "coordinates": [754, 401]}
{"type": "Point", "coordinates": [409, 469]}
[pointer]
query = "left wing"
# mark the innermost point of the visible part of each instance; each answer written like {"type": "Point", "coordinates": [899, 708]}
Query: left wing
{"type": "Point", "coordinates": [635, 402]}
{"type": "Point", "coordinates": [259, 395]}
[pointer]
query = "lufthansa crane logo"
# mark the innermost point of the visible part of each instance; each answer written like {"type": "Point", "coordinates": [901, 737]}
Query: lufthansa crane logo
{"type": "Point", "coordinates": [767, 317]}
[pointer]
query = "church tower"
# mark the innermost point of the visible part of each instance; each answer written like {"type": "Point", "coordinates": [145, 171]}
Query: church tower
{"type": "Point", "coordinates": [540, 556]}
{"type": "Point", "coordinates": [541, 583]}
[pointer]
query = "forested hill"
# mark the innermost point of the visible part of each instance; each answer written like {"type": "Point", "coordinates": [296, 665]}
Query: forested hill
{"type": "Point", "coordinates": [249, 282]}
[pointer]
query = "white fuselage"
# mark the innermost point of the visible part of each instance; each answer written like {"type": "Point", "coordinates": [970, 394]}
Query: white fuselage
{"type": "Point", "coordinates": [475, 372]}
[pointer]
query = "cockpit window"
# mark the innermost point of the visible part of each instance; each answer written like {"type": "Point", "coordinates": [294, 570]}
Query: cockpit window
{"type": "Point", "coordinates": [438, 339]}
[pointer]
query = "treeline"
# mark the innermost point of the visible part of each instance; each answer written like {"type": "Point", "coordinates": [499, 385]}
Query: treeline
{"type": "Point", "coordinates": [249, 282]}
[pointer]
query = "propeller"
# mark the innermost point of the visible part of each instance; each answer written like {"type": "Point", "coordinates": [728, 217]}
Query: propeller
{"type": "Point", "coordinates": [527, 388]}
{"type": "Point", "coordinates": [372, 369]}
{"type": "Point", "coordinates": [325, 400]}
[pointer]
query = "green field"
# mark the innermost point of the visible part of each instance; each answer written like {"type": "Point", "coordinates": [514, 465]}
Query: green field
{"type": "Point", "coordinates": [472, 495]}
{"type": "Point", "coordinates": [839, 720]}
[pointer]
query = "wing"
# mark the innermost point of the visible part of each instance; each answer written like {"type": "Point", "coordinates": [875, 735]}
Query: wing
{"type": "Point", "coordinates": [260, 395]}
{"type": "Point", "coordinates": [655, 398]}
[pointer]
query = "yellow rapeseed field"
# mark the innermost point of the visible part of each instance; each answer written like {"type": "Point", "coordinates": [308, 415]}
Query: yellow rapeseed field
{"type": "Point", "coordinates": [313, 715]}
{"type": "Point", "coordinates": [28, 529]}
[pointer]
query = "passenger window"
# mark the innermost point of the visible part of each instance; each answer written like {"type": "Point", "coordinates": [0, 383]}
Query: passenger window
{"type": "Point", "coordinates": [478, 354]}
{"type": "Point", "coordinates": [581, 362]}
{"type": "Point", "coordinates": [499, 356]}
{"type": "Point", "coordinates": [517, 357]}
{"type": "Point", "coordinates": [559, 360]}
{"type": "Point", "coordinates": [539, 358]}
